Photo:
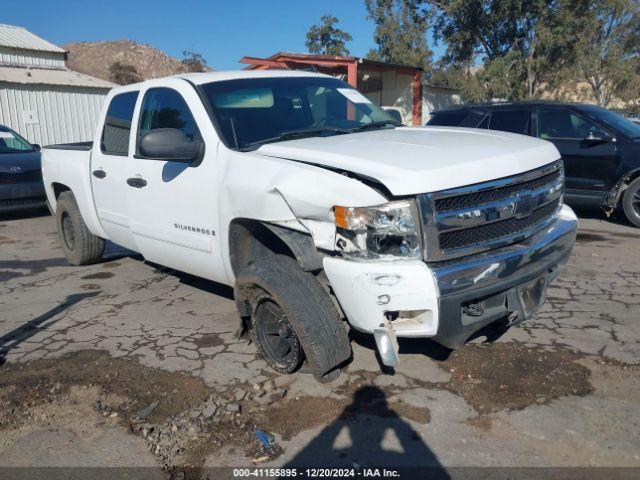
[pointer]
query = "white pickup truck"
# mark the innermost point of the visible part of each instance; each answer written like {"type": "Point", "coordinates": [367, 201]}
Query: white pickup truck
{"type": "Point", "coordinates": [318, 208]}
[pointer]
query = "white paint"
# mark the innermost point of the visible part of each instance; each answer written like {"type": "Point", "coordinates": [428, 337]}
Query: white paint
{"type": "Point", "coordinates": [357, 289]}
{"type": "Point", "coordinates": [269, 185]}
{"type": "Point", "coordinates": [410, 160]}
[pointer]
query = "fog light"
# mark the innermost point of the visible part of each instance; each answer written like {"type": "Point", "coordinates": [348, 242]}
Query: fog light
{"type": "Point", "coordinates": [387, 344]}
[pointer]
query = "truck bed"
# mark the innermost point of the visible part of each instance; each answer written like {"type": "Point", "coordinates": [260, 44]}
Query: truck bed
{"type": "Point", "coordinates": [67, 166]}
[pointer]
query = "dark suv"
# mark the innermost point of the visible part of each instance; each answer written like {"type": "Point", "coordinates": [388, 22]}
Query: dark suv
{"type": "Point", "coordinates": [600, 149]}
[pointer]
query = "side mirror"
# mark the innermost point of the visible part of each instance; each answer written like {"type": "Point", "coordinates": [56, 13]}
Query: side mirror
{"type": "Point", "coordinates": [394, 113]}
{"type": "Point", "coordinates": [36, 146]}
{"type": "Point", "coordinates": [593, 140]}
{"type": "Point", "coordinates": [170, 144]}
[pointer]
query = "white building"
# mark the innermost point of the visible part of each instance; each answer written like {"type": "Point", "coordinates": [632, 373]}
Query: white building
{"type": "Point", "coordinates": [42, 99]}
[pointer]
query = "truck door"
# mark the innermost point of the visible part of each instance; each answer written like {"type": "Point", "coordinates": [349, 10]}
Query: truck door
{"type": "Point", "coordinates": [588, 150]}
{"type": "Point", "coordinates": [173, 204]}
{"type": "Point", "coordinates": [109, 158]}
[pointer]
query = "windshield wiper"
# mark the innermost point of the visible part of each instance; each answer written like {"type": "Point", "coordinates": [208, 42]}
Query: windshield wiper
{"type": "Point", "coordinates": [374, 125]}
{"type": "Point", "coordinates": [293, 134]}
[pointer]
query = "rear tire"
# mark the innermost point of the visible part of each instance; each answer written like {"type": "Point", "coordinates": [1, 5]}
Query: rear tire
{"type": "Point", "coordinates": [631, 202]}
{"type": "Point", "coordinates": [275, 291]}
{"type": "Point", "coordinates": [80, 246]}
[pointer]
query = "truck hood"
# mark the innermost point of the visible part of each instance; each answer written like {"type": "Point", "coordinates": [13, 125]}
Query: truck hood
{"type": "Point", "coordinates": [411, 160]}
{"type": "Point", "coordinates": [25, 161]}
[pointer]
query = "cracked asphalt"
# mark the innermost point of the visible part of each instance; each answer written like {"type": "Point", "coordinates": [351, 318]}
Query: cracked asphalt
{"type": "Point", "coordinates": [85, 350]}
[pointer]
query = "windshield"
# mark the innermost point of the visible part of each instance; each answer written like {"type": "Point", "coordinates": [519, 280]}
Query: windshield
{"type": "Point", "coordinates": [11, 142]}
{"type": "Point", "coordinates": [614, 120]}
{"type": "Point", "coordinates": [253, 111]}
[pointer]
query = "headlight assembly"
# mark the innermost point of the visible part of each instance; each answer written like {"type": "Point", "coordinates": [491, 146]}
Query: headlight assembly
{"type": "Point", "coordinates": [380, 232]}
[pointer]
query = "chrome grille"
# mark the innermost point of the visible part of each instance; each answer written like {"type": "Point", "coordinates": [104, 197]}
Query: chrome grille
{"type": "Point", "coordinates": [480, 217]}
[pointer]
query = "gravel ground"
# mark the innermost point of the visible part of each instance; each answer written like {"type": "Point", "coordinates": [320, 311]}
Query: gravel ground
{"type": "Point", "coordinates": [125, 363]}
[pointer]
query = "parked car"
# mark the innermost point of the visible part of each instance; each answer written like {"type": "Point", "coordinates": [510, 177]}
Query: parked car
{"type": "Point", "coordinates": [304, 195]}
{"type": "Point", "coordinates": [20, 173]}
{"type": "Point", "coordinates": [600, 148]}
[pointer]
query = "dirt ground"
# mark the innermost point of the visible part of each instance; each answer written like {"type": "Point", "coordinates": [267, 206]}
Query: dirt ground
{"type": "Point", "coordinates": [128, 364]}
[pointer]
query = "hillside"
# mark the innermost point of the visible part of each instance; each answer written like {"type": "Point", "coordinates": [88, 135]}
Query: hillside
{"type": "Point", "coordinates": [95, 58]}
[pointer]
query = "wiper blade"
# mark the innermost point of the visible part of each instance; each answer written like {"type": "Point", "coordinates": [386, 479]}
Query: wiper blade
{"type": "Point", "coordinates": [374, 125]}
{"type": "Point", "coordinates": [293, 134]}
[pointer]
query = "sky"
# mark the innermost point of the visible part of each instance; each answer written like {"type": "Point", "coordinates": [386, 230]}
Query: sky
{"type": "Point", "coordinates": [222, 31]}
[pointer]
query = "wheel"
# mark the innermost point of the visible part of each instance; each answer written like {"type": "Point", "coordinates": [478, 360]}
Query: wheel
{"type": "Point", "coordinates": [291, 318]}
{"type": "Point", "coordinates": [80, 246]}
{"type": "Point", "coordinates": [631, 202]}
{"type": "Point", "coordinates": [275, 336]}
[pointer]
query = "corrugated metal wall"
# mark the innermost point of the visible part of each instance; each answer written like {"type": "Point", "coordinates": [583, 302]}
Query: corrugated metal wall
{"type": "Point", "coordinates": [15, 56]}
{"type": "Point", "coordinates": [48, 114]}
{"type": "Point", "coordinates": [435, 98]}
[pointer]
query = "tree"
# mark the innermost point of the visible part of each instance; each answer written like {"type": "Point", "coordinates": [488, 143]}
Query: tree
{"type": "Point", "coordinates": [193, 61]}
{"type": "Point", "coordinates": [325, 38]}
{"type": "Point", "coordinates": [610, 50]}
{"type": "Point", "coordinates": [124, 74]}
{"type": "Point", "coordinates": [531, 45]}
{"type": "Point", "coordinates": [401, 32]}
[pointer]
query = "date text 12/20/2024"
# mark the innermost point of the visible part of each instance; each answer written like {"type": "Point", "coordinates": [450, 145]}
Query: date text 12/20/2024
{"type": "Point", "coordinates": [286, 473]}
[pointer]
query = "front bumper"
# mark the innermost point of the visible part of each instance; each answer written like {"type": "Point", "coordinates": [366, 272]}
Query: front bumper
{"type": "Point", "coordinates": [415, 299]}
{"type": "Point", "coordinates": [22, 195]}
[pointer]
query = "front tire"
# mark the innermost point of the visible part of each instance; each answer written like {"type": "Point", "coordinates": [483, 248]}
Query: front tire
{"type": "Point", "coordinates": [80, 246]}
{"type": "Point", "coordinates": [292, 317]}
{"type": "Point", "coordinates": [631, 202]}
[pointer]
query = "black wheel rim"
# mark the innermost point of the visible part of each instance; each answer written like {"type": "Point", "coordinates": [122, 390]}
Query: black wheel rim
{"type": "Point", "coordinates": [68, 234]}
{"type": "Point", "coordinates": [275, 334]}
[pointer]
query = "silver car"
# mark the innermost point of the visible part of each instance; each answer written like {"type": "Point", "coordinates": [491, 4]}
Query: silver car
{"type": "Point", "coordinates": [21, 185]}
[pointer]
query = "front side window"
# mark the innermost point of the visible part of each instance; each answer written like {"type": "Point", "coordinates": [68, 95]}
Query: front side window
{"type": "Point", "coordinates": [165, 108]}
{"type": "Point", "coordinates": [566, 125]}
{"type": "Point", "coordinates": [615, 120]}
{"type": "Point", "coordinates": [11, 142]}
{"type": "Point", "coordinates": [514, 121]}
{"type": "Point", "coordinates": [253, 111]}
{"type": "Point", "coordinates": [117, 124]}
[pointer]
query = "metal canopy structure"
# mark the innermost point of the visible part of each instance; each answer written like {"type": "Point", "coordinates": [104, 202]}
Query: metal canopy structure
{"type": "Point", "coordinates": [336, 65]}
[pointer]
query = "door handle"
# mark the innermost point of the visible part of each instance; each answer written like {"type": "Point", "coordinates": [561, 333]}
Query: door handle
{"type": "Point", "coordinates": [136, 182]}
{"type": "Point", "coordinates": [99, 173]}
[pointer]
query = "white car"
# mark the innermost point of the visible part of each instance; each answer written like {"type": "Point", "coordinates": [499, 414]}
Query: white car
{"type": "Point", "coordinates": [307, 198]}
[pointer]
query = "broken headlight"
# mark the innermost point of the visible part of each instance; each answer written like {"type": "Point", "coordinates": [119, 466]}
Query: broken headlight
{"type": "Point", "coordinates": [390, 230]}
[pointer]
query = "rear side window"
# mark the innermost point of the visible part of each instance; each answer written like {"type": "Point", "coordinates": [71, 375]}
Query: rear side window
{"type": "Point", "coordinates": [514, 121]}
{"type": "Point", "coordinates": [117, 125]}
{"type": "Point", "coordinates": [165, 108]}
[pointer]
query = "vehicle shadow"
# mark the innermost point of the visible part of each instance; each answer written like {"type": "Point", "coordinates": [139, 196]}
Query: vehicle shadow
{"type": "Point", "coordinates": [596, 213]}
{"type": "Point", "coordinates": [370, 434]}
{"type": "Point", "coordinates": [200, 283]}
{"type": "Point", "coordinates": [25, 214]}
{"type": "Point", "coordinates": [115, 252]}
{"type": "Point", "coordinates": [27, 330]}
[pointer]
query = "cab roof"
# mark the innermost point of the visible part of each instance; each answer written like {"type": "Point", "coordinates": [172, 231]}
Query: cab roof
{"type": "Point", "coordinates": [207, 77]}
